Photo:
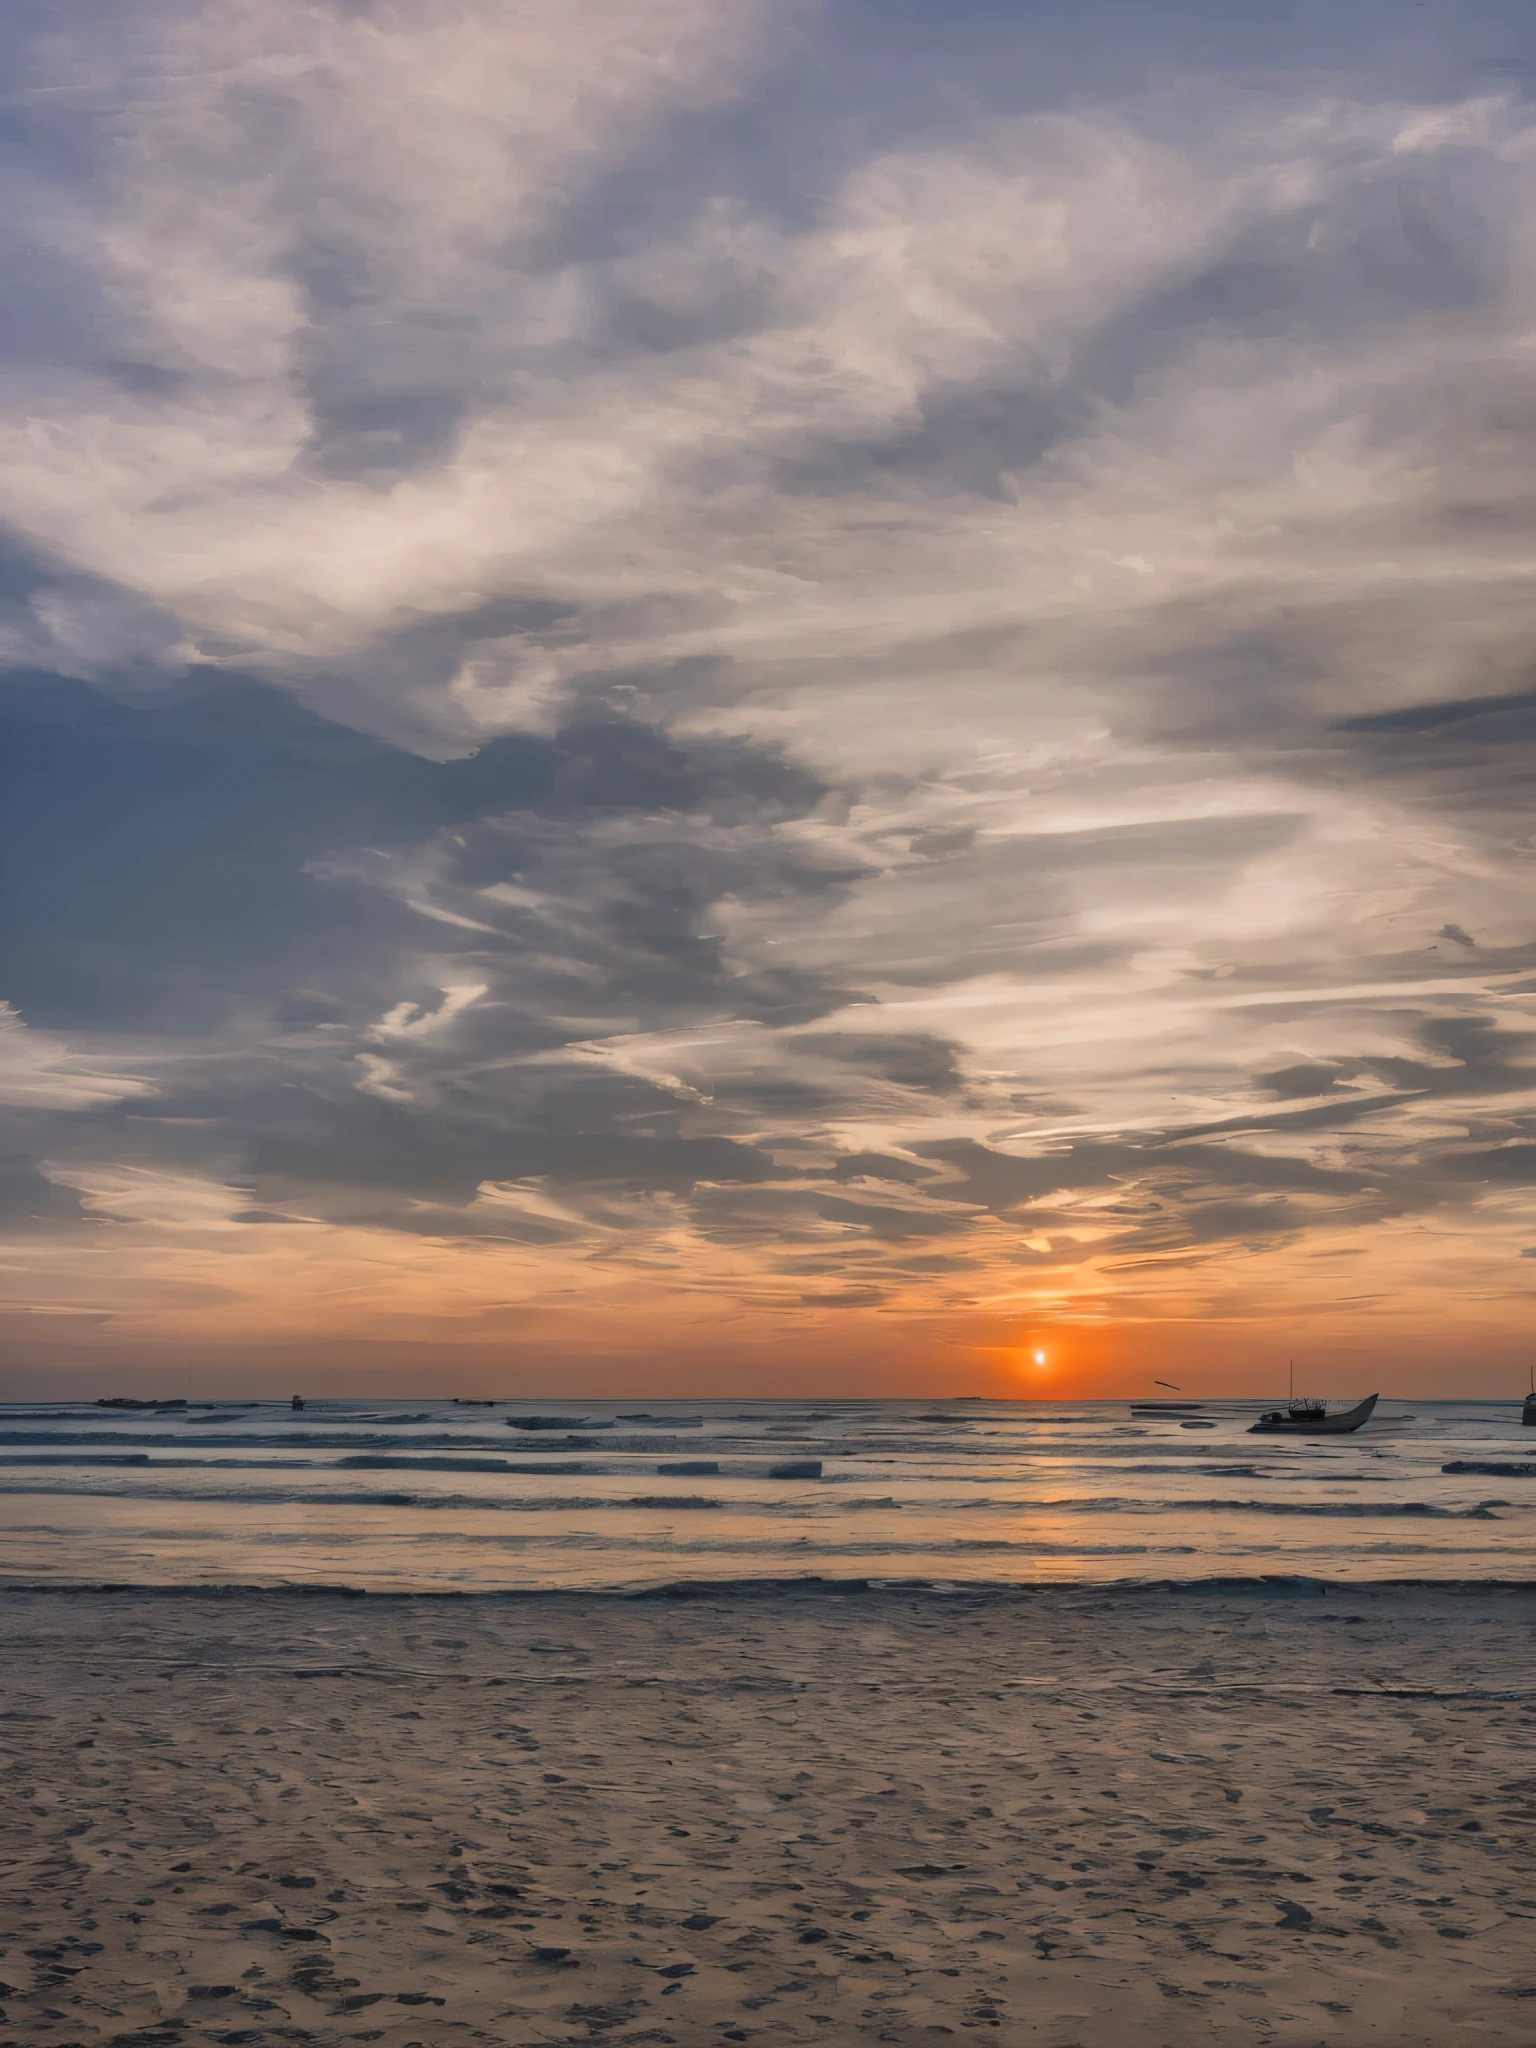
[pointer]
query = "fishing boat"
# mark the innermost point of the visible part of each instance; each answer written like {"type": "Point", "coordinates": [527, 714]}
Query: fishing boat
{"type": "Point", "coordinates": [1311, 1418]}
{"type": "Point", "coordinates": [1528, 1412]}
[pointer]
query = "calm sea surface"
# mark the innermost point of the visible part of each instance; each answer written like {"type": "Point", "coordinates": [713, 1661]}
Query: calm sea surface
{"type": "Point", "coordinates": [424, 1495]}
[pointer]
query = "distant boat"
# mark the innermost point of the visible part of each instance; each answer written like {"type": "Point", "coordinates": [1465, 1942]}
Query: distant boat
{"type": "Point", "coordinates": [1528, 1412]}
{"type": "Point", "coordinates": [1311, 1418]}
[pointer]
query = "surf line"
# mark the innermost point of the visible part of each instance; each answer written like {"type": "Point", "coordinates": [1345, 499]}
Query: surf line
{"type": "Point", "coordinates": [171, 1668]}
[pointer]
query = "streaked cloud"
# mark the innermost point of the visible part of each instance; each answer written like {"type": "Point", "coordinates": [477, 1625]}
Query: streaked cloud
{"type": "Point", "coordinates": [631, 679]}
{"type": "Point", "coordinates": [39, 1071]}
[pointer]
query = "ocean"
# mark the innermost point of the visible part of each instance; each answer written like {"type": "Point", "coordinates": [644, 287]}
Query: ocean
{"type": "Point", "coordinates": [445, 1495]}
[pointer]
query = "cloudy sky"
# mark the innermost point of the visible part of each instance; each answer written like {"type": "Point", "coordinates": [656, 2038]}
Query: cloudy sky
{"type": "Point", "coordinates": [731, 695]}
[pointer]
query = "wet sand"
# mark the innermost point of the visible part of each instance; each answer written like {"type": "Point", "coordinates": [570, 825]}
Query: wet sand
{"type": "Point", "coordinates": [1136, 1816]}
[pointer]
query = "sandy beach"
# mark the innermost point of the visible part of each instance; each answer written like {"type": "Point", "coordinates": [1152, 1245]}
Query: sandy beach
{"type": "Point", "coordinates": [1150, 1816]}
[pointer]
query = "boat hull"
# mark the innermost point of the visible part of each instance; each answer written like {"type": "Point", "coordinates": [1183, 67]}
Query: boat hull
{"type": "Point", "coordinates": [1528, 1412]}
{"type": "Point", "coordinates": [1342, 1424]}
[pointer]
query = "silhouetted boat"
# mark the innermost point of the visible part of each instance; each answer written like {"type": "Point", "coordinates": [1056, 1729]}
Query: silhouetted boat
{"type": "Point", "coordinates": [1528, 1412]}
{"type": "Point", "coordinates": [1311, 1418]}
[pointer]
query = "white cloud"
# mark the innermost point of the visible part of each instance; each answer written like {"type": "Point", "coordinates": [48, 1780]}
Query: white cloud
{"type": "Point", "coordinates": [412, 153]}
{"type": "Point", "coordinates": [38, 1070]}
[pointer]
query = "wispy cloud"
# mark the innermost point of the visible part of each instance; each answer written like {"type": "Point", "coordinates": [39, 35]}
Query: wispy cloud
{"type": "Point", "coordinates": [947, 742]}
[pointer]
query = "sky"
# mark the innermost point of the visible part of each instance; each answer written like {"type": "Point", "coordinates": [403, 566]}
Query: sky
{"type": "Point", "coordinates": [745, 697]}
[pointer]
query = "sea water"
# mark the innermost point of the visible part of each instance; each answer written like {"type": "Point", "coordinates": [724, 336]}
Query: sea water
{"type": "Point", "coordinates": [438, 1495]}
